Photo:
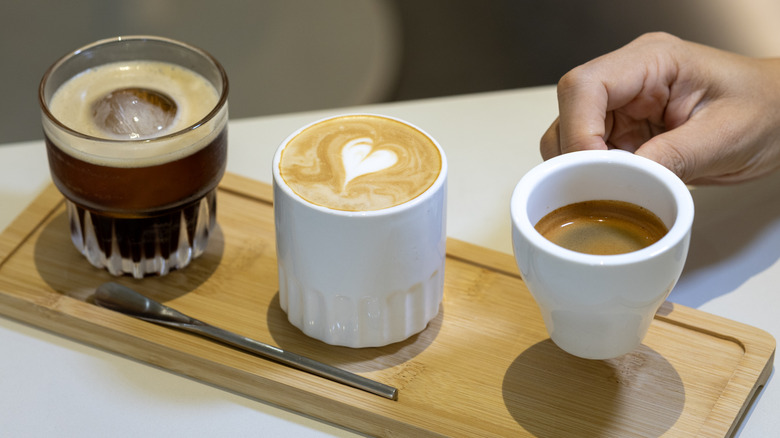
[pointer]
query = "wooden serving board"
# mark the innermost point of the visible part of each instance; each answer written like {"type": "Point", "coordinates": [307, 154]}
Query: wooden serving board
{"type": "Point", "coordinates": [483, 367]}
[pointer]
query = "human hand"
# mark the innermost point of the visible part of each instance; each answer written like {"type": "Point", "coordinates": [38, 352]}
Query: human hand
{"type": "Point", "coordinates": [708, 115]}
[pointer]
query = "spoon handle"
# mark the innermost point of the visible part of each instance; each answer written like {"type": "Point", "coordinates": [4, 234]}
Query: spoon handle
{"type": "Point", "coordinates": [126, 300]}
{"type": "Point", "coordinates": [294, 360]}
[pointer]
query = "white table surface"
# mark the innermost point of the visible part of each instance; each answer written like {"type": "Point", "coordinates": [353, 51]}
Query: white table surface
{"type": "Point", "coordinates": [53, 386]}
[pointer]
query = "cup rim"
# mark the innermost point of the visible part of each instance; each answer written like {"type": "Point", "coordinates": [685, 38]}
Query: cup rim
{"type": "Point", "coordinates": [680, 228]}
{"type": "Point", "coordinates": [223, 92]}
{"type": "Point", "coordinates": [423, 197]}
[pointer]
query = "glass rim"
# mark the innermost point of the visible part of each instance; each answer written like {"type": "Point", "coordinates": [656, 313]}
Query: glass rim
{"type": "Point", "coordinates": [106, 41]}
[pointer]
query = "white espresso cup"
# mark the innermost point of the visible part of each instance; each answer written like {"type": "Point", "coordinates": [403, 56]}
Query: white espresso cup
{"type": "Point", "coordinates": [600, 306]}
{"type": "Point", "coordinates": [360, 212]}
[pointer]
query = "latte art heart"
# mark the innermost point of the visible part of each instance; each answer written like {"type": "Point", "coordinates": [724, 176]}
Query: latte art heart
{"type": "Point", "coordinates": [360, 163]}
{"type": "Point", "coordinates": [360, 158]}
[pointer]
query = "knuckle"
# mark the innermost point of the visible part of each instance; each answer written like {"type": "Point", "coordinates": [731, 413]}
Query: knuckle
{"type": "Point", "coordinates": [679, 163]}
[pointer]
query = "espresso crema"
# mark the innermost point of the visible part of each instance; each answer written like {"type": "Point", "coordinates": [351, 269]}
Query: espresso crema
{"type": "Point", "coordinates": [75, 104]}
{"type": "Point", "coordinates": [360, 163]}
{"type": "Point", "coordinates": [602, 227]}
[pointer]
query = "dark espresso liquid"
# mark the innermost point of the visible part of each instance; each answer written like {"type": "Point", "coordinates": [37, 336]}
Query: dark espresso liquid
{"type": "Point", "coordinates": [602, 227]}
{"type": "Point", "coordinates": [142, 209]}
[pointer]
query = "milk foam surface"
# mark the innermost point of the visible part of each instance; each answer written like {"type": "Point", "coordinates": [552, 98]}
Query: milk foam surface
{"type": "Point", "coordinates": [360, 163]}
{"type": "Point", "coordinates": [359, 158]}
{"type": "Point", "coordinates": [72, 105]}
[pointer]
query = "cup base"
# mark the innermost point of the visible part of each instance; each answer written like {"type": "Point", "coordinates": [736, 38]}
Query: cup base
{"type": "Point", "coordinates": [358, 322]}
{"type": "Point", "coordinates": [597, 336]}
{"type": "Point", "coordinates": [143, 246]}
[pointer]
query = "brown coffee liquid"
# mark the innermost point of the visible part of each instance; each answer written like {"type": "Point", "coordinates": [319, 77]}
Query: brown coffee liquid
{"type": "Point", "coordinates": [136, 191]}
{"type": "Point", "coordinates": [602, 227]}
{"type": "Point", "coordinates": [141, 207]}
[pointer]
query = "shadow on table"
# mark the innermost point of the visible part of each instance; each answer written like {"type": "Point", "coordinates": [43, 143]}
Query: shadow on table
{"type": "Point", "coordinates": [551, 393]}
{"type": "Point", "coordinates": [288, 336]}
{"type": "Point", "coordinates": [65, 270]}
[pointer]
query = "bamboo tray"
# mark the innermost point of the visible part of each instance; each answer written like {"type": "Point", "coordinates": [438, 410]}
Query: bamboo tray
{"type": "Point", "coordinates": [483, 367]}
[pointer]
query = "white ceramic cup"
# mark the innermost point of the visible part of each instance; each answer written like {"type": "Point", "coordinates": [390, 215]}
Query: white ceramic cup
{"type": "Point", "coordinates": [600, 306]}
{"type": "Point", "coordinates": [360, 278]}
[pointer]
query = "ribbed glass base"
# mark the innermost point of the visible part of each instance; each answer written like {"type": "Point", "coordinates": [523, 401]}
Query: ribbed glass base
{"type": "Point", "coordinates": [143, 246]}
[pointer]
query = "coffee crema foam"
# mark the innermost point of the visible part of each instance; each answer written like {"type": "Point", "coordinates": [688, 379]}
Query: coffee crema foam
{"type": "Point", "coordinates": [602, 227]}
{"type": "Point", "coordinates": [72, 105]}
{"type": "Point", "coordinates": [360, 163]}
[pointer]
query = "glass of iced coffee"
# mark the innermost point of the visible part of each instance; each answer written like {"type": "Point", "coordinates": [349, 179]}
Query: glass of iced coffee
{"type": "Point", "coordinates": [136, 137]}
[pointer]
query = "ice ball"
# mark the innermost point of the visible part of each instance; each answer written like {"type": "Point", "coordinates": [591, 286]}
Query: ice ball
{"type": "Point", "coordinates": [134, 113]}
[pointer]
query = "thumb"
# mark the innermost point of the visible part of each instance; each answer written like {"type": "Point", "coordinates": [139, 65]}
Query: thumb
{"type": "Point", "coordinates": [697, 150]}
{"type": "Point", "coordinates": [671, 150]}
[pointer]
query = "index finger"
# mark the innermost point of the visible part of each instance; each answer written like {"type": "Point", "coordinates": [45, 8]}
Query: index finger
{"type": "Point", "coordinates": [633, 79]}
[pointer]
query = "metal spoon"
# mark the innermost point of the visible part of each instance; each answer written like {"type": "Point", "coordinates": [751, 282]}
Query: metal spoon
{"type": "Point", "coordinates": [125, 300]}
